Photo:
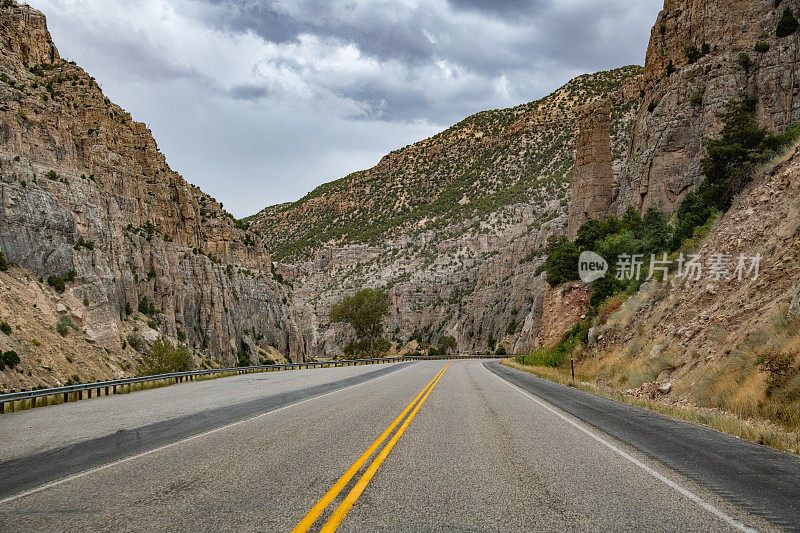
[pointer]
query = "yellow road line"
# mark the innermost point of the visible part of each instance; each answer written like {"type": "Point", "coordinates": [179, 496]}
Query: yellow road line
{"type": "Point", "coordinates": [323, 503]}
{"type": "Point", "coordinates": [340, 512]}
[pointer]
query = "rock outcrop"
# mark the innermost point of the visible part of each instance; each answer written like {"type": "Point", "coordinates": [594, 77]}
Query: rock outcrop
{"type": "Point", "coordinates": [593, 175]}
{"type": "Point", "coordinates": [702, 55]}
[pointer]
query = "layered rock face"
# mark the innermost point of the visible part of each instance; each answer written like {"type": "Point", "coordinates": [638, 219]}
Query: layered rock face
{"type": "Point", "coordinates": [593, 175]}
{"type": "Point", "coordinates": [85, 189]}
{"type": "Point", "coordinates": [702, 55]}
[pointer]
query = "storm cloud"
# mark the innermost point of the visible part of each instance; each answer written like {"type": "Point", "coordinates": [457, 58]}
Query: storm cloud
{"type": "Point", "coordinates": [257, 101]}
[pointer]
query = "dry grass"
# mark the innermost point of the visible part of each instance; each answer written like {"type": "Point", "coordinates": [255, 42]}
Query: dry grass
{"type": "Point", "coordinates": [755, 430]}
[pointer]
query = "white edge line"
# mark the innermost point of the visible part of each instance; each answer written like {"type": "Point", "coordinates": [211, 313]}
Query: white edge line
{"type": "Point", "coordinates": [79, 475]}
{"type": "Point", "coordinates": [683, 491]}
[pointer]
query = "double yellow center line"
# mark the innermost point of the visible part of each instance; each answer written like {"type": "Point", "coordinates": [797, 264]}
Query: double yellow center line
{"type": "Point", "coordinates": [340, 512]}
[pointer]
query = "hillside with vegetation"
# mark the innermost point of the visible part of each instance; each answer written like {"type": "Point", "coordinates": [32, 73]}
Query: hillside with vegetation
{"type": "Point", "coordinates": [486, 162]}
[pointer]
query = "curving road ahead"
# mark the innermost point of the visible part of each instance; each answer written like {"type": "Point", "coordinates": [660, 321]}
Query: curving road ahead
{"type": "Point", "coordinates": [422, 446]}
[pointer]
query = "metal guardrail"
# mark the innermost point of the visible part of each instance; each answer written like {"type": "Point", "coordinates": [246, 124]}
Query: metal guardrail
{"type": "Point", "coordinates": [110, 386]}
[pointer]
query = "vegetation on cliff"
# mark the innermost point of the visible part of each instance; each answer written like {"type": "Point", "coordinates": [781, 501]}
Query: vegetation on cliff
{"type": "Point", "coordinates": [732, 158]}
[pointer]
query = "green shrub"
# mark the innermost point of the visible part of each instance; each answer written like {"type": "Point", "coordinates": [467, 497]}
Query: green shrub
{"type": "Point", "coordinates": [164, 357]}
{"type": "Point", "coordinates": [512, 327]}
{"type": "Point", "coordinates": [3, 263]}
{"type": "Point", "coordinates": [693, 54]}
{"type": "Point", "coordinates": [147, 308]}
{"type": "Point", "coordinates": [762, 47]}
{"type": "Point", "coordinates": [136, 341]}
{"type": "Point", "coordinates": [71, 275]}
{"type": "Point", "coordinates": [447, 344]}
{"type": "Point", "coordinates": [84, 243]}
{"type": "Point", "coordinates": [562, 260]}
{"type": "Point", "coordinates": [57, 283]}
{"type": "Point", "coordinates": [697, 98]}
{"type": "Point", "coordinates": [787, 24]}
{"type": "Point", "coordinates": [731, 159]}
{"type": "Point", "coordinates": [65, 324]}
{"type": "Point", "coordinates": [364, 311]}
{"type": "Point", "coordinates": [9, 359]}
{"type": "Point", "coordinates": [651, 107]}
{"type": "Point", "coordinates": [52, 175]}
{"type": "Point", "coordinates": [181, 336]}
{"type": "Point", "coordinates": [744, 61]}
{"type": "Point", "coordinates": [243, 360]}
{"type": "Point", "coordinates": [670, 69]}
{"type": "Point", "coordinates": [501, 350]}
{"type": "Point", "coordinates": [5, 327]}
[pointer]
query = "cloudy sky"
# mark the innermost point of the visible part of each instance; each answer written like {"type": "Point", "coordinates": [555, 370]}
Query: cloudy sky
{"type": "Point", "coordinates": [259, 101]}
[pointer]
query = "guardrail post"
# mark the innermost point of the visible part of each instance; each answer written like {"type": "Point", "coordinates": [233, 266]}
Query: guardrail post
{"type": "Point", "coordinates": [80, 395]}
{"type": "Point", "coordinates": [66, 397]}
{"type": "Point", "coordinates": [2, 408]}
{"type": "Point", "coordinates": [33, 402]}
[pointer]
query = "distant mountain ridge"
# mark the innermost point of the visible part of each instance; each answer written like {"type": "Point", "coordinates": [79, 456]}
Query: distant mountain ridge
{"type": "Point", "coordinates": [486, 162]}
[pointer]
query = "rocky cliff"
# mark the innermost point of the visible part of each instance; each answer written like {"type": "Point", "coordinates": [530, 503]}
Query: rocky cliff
{"type": "Point", "coordinates": [593, 175]}
{"type": "Point", "coordinates": [86, 195]}
{"type": "Point", "coordinates": [702, 55]}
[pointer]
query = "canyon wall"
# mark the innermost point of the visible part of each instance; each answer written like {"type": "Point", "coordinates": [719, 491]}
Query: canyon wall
{"type": "Point", "coordinates": [85, 193]}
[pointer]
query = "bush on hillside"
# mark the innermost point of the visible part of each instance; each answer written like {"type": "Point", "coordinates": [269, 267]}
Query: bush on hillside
{"type": "Point", "coordinates": [147, 308]}
{"type": "Point", "coordinates": [9, 359]}
{"type": "Point", "coordinates": [164, 357]}
{"type": "Point", "coordinates": [65, 324]}
{"type": "Point", "coordinates": [562, 260]}
{"type": "Point", "coordinates": [57, 283]}
{"type": "Point", "coordinates": [787, 24]}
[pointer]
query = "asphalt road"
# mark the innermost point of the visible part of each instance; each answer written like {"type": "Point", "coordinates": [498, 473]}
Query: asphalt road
{"type": "Point", "coordinates": [401, 447]}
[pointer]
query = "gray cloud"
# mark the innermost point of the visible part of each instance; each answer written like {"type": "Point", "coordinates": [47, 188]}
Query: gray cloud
{"type": "Point", "coordinates": [281, 95]}
{"type": "Point", "coordinates": [249, 92]}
